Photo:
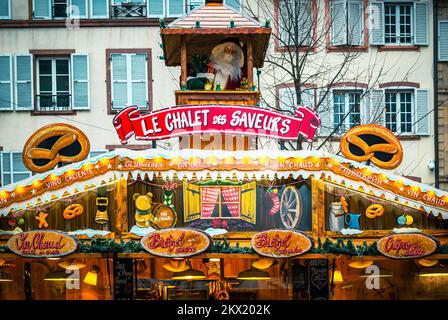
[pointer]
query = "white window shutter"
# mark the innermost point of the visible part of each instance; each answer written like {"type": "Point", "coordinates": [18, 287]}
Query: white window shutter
{"type": "Point", "coordinates": [308, 98]}
{"type": "Point", "coordinates": [235, 4]}
{"type": "Point", "coordinates": [365, 108]}
{"type": "Point", "coordinates": [24, 82]}
{"type": "Point", "coordinates": [377, 107]}
{"type": "Point", "coordinates": [99, 9]}
{"type": "Point", "coordinates": [305, 23]}
{"type": "Point", "coordinates": [6, 100]}
{"type": "Point", "coordinates": [78, 8]}
{"type": "Point", "coordinates": [42, 9]}
{"type": "Point", "coordinates": [325, 111]}
{"type": "Point", "coordinates": [376, 23]}
{"type": "Point", "coordinates": [422, 110]}
{"type": "Point", "coordinates": [443, 40]}
{"type": "Point", "coordinates": [421, 18]}
{"type": "Point", "coordinates": [80, 82]}
{"type": "Point", "coordinates": [119, 76]}
{"type": "Point", "coordinates": [338, 22]}
{"type": "Point", "coordinates": [287, 100]}
{"type": "Point", "coordinates": [156, 8]}
{"type": "Point", "coordinates": [139, 80]}
{"type": "Point", "coordinates": [5, 9]}
{"type": "Point", "coordinates": [176, 8]}
{"type": "Point", "coordinates": [355, 23]}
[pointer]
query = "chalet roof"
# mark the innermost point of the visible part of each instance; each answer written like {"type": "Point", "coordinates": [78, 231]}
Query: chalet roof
{"type": "Point", "coordinates": [104, 169]}
{"type": "Point", "coordinates": [214, 19]}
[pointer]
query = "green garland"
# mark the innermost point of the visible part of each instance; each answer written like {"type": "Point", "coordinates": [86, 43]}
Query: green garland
{"type": "Point", "coordinates": [340, 246]}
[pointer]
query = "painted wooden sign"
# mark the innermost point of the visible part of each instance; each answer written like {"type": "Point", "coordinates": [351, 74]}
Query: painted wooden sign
{"type": "Point", "coordinates": [281, 243]}
{"type": "Point", "coordinates": [407, 245]}
{"type": "Point", "coordinates": [176, 243]}
{"type": "Point", "coordinates": [42, 244]}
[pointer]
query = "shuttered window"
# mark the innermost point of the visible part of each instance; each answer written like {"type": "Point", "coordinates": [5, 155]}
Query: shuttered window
{"type": "Point", "coordinates": [443, 40]}
{"type": "Point", "coordinates": [168, 8]}
{"type": "Point", "coordinates": [5, 9]}
{"type": "Point", "coordinates": [295, 23]}
{"type": "Point", "coordinates": [76, 9]}
{"type": "Point", "coordinates": [287, 99]}
{"type": "Point", "coordinates": [346, 110]}
{"type": "Point", "coordinates": [129, 80]}
{"type": "Point", "coordinates": [6, 100]}
{"type": "Point", "coordinates": [399, 23]}
{"type": "Point", "coordinates": [12, 168]}
{"type": "Point", "coordinates": [346, 22]}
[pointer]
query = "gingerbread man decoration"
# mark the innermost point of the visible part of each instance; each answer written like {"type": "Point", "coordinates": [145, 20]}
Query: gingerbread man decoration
{"type": "Point", "coordinates": [41, 218]}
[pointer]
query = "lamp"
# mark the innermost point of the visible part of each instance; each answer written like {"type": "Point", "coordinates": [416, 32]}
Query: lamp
{"type": "Point", "coordinates": [92, 276]}
{"type": "Point", "coordinates": [337, 277]}
{"type": "Point", "coordinates": [5, 277]}
{"type": "Point", "coordinates": [71, 265]}
{"type": "Point", "coordinates": [190, 274]}
{"type": "Point", "coordinates": [58, 275]}
{"type": "Point", "coordinates": [253, 274]}
{"type": "Point", "coordinates": [434, 272]}
{"type": "Point", "coordinates": [427, 262]}
{"type": "Point", "coordinates": [360, 264]}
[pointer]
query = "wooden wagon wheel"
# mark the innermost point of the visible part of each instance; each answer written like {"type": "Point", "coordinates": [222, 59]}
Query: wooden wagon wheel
{"type": "Point", "coordinates": [290, 207]}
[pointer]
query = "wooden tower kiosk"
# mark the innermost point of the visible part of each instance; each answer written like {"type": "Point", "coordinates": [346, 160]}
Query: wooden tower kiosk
{"type": "Point", "coordinates": [217, 49]}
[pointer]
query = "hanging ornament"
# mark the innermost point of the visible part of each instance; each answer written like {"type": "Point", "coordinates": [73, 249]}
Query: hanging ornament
{"type": "Point", "coordinates": [72, 211]}
{"type": "Point", "coordinates": [401, 220]}
{"type": "Point", "coordinates": [344, 204]}
{"type": "Point", "coordinates": [41, 218]}
{"type": "Point", "coordinates": [102, 202]}
{"type": "Point", "coordinates": [374, 210]}
{"type": "Point", "coordinates": [214, 267]}
{"type": "Point", "coordinates": [21, 221]}
{"type": "Point", "coordinates": [169, 188]}
{"type": "Point", "coordinates": [409, 220]}
{"type": "Point", "coordinates": [273, 195]}
{"type": "Point", "coordinates": [12, 222]}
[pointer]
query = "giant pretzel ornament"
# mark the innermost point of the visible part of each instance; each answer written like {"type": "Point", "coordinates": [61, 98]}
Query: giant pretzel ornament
{"type": "Point", "coordinates": [53, 144]}
{"type": "Point", "coordinates": [372, 143]}
{"type": "Point", "coordinates": [374, 210]}
{"type": "Point", "coordinates": [72, 211]}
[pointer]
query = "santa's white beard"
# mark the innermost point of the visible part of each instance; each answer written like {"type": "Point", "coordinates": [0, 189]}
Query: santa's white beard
{"type": "Point", "coordinates": [224, 70]}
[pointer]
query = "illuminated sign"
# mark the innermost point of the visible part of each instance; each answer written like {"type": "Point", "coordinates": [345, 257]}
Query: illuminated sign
{"type": "Point", "coordinates": [281, 243]}
{"type": "Point", "coordinates": [407, 245]}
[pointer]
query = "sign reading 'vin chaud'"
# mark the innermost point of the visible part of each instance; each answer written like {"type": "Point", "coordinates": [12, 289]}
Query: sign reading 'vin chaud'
{"type": "Point", "coordinates": [232, 119]}
{"type": "Point", "coordinates": [42, 244]}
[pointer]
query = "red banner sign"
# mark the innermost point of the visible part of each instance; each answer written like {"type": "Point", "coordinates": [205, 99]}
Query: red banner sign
{"type": "Point", "coordinates": [407, 245]}
{"type": "Point", "coordinates": [231, 119]}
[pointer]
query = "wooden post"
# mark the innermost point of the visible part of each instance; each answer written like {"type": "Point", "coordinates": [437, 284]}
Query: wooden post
{"type": "Point", "coordinates": [318, 207]}
{"type": "Point", "coordinates": [250, 63]}
{"type": "Point", "coordinates": [183, 61]}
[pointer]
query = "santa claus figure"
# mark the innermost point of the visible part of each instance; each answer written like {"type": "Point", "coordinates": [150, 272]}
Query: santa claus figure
{"type": "Point", "coordinates": [227, 59]}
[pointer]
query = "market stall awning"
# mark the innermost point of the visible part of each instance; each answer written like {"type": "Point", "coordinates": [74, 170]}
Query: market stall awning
{"type": "Point", "coordinates": [216, 23]}
{"type": "Point", "coordinates": [204, 164]}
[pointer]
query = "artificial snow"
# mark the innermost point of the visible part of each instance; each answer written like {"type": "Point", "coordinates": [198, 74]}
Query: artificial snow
{"type": "Point", "coordinates": [141, 232]}
{"type": "Point", "coordinates": [89, 233]}
{"type": "Point", "coordinates": [349, 231]}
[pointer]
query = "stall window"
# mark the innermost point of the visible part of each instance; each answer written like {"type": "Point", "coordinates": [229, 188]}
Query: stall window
{"type": "Point", "coordinates": [129, 74]}
{"type": "Point", "coordinates": [295, 23]}
{"type": "Point", "coordinates": [12, 168]}
{"type": "Point", "coordinates": [220, 202]}
{"type": "Point", "coordinates": [5, 9]}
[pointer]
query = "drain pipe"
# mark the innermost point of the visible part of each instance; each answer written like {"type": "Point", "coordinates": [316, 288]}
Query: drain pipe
{"type": "Point", "coordinates": [436, 91]}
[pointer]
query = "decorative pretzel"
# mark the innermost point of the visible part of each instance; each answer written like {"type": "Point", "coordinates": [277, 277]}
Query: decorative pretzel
{"type": "Point", "coordinates": [72, 211]}
{"type": "Point", "coordinates": [374, 210]}
{"type": "Point", "coordinates": [372, 143]}
{"type": "Point", "coordinates": [48, 146]}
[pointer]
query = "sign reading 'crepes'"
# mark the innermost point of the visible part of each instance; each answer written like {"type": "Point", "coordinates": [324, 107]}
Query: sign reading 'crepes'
{"type": "Point", "coordinates": [176, 243]}
{"type": "Point", "coordinates": [281, 243]}
{"type": "Point", "coordinates": [42, 244]}
{"type": "Point", "coordinates": [407, 245]}
{"type": "Point", "coordinates": [233, 119]}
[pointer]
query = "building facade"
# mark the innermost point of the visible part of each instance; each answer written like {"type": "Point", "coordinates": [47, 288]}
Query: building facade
{"type": "Point", "coordinates": [80, 62]}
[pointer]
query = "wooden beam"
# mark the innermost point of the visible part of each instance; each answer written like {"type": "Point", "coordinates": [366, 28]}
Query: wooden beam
{"type": "Point", "coordinates": [183, 60]}
{"type": "Point", "coordinates": [121, 205]}
{"type": "Point", "coordinates": [250, 62]}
